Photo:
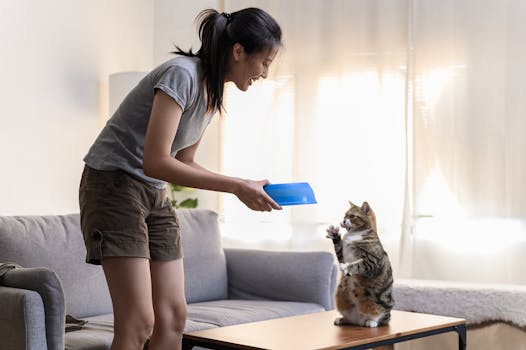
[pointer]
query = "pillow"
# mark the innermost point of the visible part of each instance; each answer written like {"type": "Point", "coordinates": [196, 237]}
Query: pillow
{"type": "Point", "coordinates": [204, 258]}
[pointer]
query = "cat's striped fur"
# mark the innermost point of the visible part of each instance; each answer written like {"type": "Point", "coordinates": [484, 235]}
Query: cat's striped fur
{"type": "Point", "coordinates": [364, 295]}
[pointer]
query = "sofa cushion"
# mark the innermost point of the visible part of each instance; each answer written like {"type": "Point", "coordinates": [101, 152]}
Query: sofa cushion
{"type": "Point", "coordinates": [97, 334]}
{"type": "Point", "coordinates": [204, 259]}
{"type": "Point", "coordinates": [220, 313]}
{"type": "Point", "coordinates": [56, 242]}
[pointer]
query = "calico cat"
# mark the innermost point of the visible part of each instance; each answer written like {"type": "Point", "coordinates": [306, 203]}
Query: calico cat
{"type": "Point", "coordinates": [364, 295]}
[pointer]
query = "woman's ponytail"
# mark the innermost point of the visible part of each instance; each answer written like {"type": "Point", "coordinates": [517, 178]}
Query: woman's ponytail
{"type": "Point", "coordinates": [253, 28]}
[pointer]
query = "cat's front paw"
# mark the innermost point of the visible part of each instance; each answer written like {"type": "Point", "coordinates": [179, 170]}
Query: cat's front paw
{"type": "Point", "coordinates": [332, 232]}
{"type": "Point", "coordinates": [344, 268]}
{"type": "Point", "coordinates": [371, 324]}
{"type": "Point", "coordinates": [340, 321]}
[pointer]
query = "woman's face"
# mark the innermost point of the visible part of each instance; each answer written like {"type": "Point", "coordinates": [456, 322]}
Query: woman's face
{"type": "Point", "coordinates": [245, 69]}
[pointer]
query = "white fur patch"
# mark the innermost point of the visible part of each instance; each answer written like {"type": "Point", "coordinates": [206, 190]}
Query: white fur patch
{"type": "Point", "coordinates": [354, 316]}
{"type": "Point", "coordinates": [370, 323]}
{"type": "Point", "coordinates": [350, 237]}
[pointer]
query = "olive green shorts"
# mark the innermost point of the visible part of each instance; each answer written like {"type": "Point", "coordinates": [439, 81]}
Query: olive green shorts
{"type": "Point", "coordinates": [123, 216]}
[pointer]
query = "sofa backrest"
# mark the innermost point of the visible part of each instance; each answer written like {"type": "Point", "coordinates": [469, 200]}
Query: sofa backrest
{"type": "Point", "coordinates": [204, 259]}
{"type": "Point", "coordinates": [56, 242]}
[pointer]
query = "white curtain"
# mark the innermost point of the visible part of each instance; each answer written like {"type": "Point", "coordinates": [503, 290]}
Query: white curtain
{"type": "Point", "coordinates": [469, 140]}
{"type": "Point", "coordinates": [414, 106]}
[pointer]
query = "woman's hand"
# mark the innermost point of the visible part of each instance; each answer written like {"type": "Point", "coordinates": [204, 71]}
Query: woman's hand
{"type": "Point", "coordinates": [252, 194]}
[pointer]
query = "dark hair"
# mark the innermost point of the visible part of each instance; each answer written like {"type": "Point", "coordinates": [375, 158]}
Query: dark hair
{"type": "Point", "coordinates": [253, 28]}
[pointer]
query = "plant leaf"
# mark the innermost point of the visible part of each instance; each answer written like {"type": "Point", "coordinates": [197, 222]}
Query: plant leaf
{"type": "Point", "coordinates": [189, 203]}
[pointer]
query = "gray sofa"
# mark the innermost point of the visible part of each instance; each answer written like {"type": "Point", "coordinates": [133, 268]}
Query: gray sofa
{"type": "Point", "coordinates": [223, 286]}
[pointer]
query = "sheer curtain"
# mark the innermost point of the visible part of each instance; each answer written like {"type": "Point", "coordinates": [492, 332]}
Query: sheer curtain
{"type": "Point", "coordinates": [413, 106]}
{"type": "Point", "coordinates": [332, 113]}
{"type": "Point", "coordinates": [469, 128]}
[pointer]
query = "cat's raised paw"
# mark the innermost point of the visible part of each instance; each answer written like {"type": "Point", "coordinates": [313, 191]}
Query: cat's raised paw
{"type": "Point", "coordinates": [344, 268]}
{"type": "Point", "coordinates": [332, 232]}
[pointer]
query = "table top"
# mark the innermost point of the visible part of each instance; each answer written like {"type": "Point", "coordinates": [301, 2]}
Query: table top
{"type": "Point", "coordinates": [317, 331]}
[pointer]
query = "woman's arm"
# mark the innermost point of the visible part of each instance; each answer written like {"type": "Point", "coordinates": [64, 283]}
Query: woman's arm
{"type": "Point", "coordinates": [182, 170]}
{"type": "Point", "coordinates": [187, 156]}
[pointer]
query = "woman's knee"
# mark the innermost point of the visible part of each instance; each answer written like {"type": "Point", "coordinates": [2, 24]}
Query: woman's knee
{"type": "Point", "coordinates": [145, 324]}
{"type": "Point", "coordinates": [130, 289]}
{"type": "Point", "coordinates": [180, 318]}
{"type": "Point", "coordinates": [172, 318]}
{"type": "Point", "coordinates": [168, 295]}
{"type": "Point", "coordinates": [135, 325]}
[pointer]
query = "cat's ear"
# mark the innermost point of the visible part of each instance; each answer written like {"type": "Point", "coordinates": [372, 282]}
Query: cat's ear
{"type": "Point", "coordinates": [366, 208]}
{"type": "Point", "coordinates": [352, 204]}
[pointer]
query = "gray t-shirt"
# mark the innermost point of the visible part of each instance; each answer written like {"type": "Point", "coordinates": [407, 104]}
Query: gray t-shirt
{"type": "Point", "coordinates": [120, 144]}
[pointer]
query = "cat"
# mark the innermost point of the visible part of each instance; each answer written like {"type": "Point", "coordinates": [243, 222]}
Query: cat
{"type": "Point", "coordinates": [364, 294]}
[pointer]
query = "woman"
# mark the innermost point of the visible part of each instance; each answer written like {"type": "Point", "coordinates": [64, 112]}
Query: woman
{"type": "Point", "coordinates": [127, 221]}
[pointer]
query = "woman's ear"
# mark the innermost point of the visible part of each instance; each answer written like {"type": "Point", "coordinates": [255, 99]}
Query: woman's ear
{"type": "Point", "coordinates": [237, 52]}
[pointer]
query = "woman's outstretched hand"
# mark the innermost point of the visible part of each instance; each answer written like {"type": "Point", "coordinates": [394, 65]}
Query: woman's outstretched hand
{"type": "Point", "coordinates": [252, 194]}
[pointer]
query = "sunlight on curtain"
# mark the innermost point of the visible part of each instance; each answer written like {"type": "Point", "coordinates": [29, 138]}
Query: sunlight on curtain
{"type": "Point", "coordinates": [332, 113]}
{"type": "Point", "coordinates": [359, 153]}
{"type": "Point", "coordinates": [258, 141]}
{"type": "Point", "coordinates": [353, 75]}
{"type": "Point", "coordinates": [469, 127]}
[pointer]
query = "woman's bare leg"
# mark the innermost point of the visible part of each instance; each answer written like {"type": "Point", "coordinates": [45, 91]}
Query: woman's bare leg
{"type": "Point", "coordinates": [169, 303]}
{"type": "Point", "coordinates": [130, 288]}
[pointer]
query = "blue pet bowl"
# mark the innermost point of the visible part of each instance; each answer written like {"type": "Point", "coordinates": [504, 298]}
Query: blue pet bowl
{"type": "Point", "coordinates": [291, 193]}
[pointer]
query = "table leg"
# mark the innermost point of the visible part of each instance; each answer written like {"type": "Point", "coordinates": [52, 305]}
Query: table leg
{"type": "Point", "coordinates": [461, 330]}
{"type": "Point", "coordinates": [187, 345]}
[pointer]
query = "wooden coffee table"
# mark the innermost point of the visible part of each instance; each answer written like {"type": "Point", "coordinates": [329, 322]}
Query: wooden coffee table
{"type": "Point", "coordinates": [317, 331]}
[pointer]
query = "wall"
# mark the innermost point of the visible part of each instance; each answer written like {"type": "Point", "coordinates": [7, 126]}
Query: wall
{"type": "Point", "coordinates": [55, 59]}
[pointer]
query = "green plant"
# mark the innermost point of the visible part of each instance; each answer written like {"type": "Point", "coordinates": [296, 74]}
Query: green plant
{"type": "Point", "coordinates": [177, 202]}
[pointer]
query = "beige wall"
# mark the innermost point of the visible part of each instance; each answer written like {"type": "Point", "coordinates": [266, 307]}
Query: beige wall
{"type": "Point", "coordinates": [55, 59]}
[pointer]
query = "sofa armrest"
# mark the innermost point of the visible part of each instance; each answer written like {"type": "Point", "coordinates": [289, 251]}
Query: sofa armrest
{"type": "Point", "coordinates": [291, 276]}
{"type": "Point", "coordinates": [22, 324]}
{"type": "Point", "coordinates": [47, 284]}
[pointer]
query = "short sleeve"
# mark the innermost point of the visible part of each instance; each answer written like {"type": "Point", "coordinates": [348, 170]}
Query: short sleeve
{"type": "Point", "coordinates": [177, 83]}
